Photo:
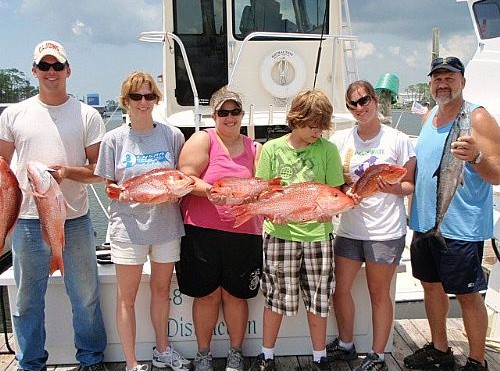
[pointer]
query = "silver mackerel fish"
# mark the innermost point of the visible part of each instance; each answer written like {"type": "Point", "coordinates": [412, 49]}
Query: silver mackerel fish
{"type": "Point", "coordinates": [450, 173]}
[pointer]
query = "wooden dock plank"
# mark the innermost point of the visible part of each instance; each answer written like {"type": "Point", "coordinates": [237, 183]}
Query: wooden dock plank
{"type": "Point", "coordinates": [409, 335]}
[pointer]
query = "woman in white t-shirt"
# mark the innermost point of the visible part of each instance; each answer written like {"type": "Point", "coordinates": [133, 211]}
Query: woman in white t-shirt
{"type": "Point", "coordinates": [373, 231]}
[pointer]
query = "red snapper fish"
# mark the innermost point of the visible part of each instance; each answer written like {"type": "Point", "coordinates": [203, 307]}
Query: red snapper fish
{"type": "Point", "coordinates": [154, 187]}
{"type": "Point", "coordinates": [51, 206]}
{"type": "Point", "coordinates": [10, 201]}
{"type": "Point", "coordinates": [237, 191]}
{"type": "Point", "coordinates": [367, 186]}
{"type": "Point", "coordinates": [299, 203]}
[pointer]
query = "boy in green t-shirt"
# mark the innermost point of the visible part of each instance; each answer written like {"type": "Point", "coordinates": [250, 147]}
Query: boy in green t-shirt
{"type": "Point", "coordinates": [299, 256]}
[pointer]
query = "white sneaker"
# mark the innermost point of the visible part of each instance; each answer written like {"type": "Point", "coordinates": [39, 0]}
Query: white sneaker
{"type": "Point", "coordinates": [138, 368]}
{"type": "Point", "coordinates": [203, 362]}
{"type": "Point", "coordinates": [234, 360]}
{"type": "Point", "coordinates": [170, 358]}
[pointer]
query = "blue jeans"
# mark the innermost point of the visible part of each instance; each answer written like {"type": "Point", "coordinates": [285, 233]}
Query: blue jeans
{"type": "Point", "coordinates": [31, 261]}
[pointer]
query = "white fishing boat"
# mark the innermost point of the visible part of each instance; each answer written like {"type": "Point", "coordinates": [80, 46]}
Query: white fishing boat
{"type": "Point", "coordinates": [483, 79]}
{"type": "Point", "coordinates": [268, 50]}
{"type": "Point", "coordinates": [265, 49]}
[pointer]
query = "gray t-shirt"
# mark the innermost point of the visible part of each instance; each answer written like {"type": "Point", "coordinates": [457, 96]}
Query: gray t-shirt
{"type": "Point", "coordinates": [124, 154]}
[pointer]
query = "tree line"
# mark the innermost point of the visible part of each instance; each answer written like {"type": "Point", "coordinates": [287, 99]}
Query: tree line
{"type": "Point", "coordinates": [15, 86]}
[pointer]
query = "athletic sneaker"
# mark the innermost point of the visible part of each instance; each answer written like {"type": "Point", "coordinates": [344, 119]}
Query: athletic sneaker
{"type": "Point", "coordinates": [322, 365]}
{"type": "Point", "coordinates": [473, 365]}
{"type": "Point", "coordinates": [429, 357]}
{"type": "Point", "coordinates": [334, 351]}
{"type": "Point", "coordinates": [262, 364]}
{"type": "Point", "coordinates": [203, 362]}
{"type": "Point", "coordinates": [138, 368]}
{"type": "Point", "coordinates": [234, 360]}
{"type": "Point", "coordinates": [170, 358]}
{"type": "Point", "coordinates": [372, 362]}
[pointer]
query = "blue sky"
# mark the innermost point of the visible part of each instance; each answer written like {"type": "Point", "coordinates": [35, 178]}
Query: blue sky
{"type": "Point", "coordinates": [101, 37]}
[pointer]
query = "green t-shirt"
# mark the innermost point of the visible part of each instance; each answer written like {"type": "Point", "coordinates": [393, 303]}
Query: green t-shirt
{"type": "Point", "coordinates": [318, 162]}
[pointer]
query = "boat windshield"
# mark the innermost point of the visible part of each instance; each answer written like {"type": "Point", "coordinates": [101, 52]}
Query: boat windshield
{"type": "Point", "coordinates": [202, 27]}
{"type": "Point", "coordinates": [304, 16]}
{"type": "Point", "coordinates": [487, 14]}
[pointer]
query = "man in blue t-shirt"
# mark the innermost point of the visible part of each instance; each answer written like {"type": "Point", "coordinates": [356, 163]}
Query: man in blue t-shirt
{"type": "Point", "coordinates": [450, 225]}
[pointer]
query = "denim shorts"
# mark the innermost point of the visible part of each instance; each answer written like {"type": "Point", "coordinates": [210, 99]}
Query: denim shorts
{"type": "Point", "coordinates": [131, 254]}
{"type": "Point", "coordinates": [290, 266]}
{"type": "Point", "coordinates": [458, 265]}
{"type": "Point", "coordinates": [381, 252]}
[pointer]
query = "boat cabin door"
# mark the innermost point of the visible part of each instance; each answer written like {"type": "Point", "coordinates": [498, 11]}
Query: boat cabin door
{"type": "Point", "coordinates": [202, 27]}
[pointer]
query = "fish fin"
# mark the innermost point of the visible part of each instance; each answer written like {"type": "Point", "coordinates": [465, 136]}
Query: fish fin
{"type": "Point", "coordinates": [56, 263]}
{"type": "Point", "coordinates": [113, 193]}
{"type": "Point", "coordinates": [436, 173]}
{"type": "Point", "coordinates": [275, 181]}
{"type": "Point", "coordinates": [241, 214]}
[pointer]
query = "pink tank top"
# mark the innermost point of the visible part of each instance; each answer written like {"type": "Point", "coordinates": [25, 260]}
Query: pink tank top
{"type": "Point", "coordinates": [199, 211]}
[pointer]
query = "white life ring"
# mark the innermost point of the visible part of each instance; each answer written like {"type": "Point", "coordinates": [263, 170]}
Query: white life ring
{"type": "Point", "coordinates": [283, 73]}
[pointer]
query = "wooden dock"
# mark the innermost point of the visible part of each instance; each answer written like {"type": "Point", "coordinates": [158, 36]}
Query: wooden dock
{"type": "Point", "coordinates": [409, 335]}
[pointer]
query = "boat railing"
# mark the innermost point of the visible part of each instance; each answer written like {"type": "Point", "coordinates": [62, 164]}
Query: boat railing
{"type": "Point", "coordinates": [160, 36]}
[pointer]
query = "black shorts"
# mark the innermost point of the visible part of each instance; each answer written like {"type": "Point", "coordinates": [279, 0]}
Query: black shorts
{"type": "Point", "coordinates": [457, 266]}
{"type": "Point", "coordinates": [212, 259]}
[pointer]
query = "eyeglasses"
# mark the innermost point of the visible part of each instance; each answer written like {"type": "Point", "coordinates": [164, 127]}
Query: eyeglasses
{"type": "Point", "coordinates": [137, 97]}
{"type": "Point", "coordinates": [451, 61]}
{"type": "Point", "coordinates": [45, 66]}
{"type": "Point", "coordinates": [363, 101]}
{"type": "Point", "coordinates": [226, 112]}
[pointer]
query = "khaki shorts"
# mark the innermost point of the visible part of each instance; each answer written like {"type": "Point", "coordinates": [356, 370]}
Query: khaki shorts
{"type": "Point", "coordinates": [290, 266]}
{"type": "Point", "coordinates": [131, 254]}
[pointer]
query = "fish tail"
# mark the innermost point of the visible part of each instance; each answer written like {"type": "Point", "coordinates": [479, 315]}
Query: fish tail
{"type": "Point", "coordinates": [56, 263]}
{"type": "Point", "coordinates": [433, 232]}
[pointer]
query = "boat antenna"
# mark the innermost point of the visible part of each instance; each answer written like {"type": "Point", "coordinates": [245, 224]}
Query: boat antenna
{"type": "Point", "coordinates": [318, 57]}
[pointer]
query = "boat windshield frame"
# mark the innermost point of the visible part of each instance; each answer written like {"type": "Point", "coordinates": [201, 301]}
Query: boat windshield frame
{"type": "Point", "coordinates": [284, 16]}
{"type": "Point", "coordinates": [487, 18]}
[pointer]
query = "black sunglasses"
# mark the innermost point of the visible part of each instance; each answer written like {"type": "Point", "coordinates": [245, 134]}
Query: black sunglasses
{"type": "Point", "coordinates": [363, 101]}
{"type": "Point", "coordinates": [45, 66]}
{"type": "Point", "coordinates": [226, 112]}
{"type": "Point", "coordinates": [137, 97]}
{"type": "Point", "coordinates": [452, 61]}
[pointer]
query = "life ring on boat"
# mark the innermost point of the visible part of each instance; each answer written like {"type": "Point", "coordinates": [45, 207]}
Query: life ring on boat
{"type": "Point", "coordinates": [282, 73]}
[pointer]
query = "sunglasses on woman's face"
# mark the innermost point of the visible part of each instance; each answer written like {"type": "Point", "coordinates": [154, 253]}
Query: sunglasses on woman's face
{"type": "Point", "coordinates": [363, 101]}
{"type": "Point", "coordinates": [226, 112]}
{"type": "Point", "coordinates": [137, 97]}
{"type": "Point", "coordinates": [45, 66]}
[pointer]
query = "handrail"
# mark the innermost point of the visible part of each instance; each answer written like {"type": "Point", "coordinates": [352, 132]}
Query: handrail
{"type": "Point", "coordinates": [160, 36]}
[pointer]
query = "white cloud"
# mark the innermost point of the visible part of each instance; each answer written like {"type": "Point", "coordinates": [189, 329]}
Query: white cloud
{"type": "Point", "coordinates": [115, 22]}
{"type": "Point", "coordinates": [79, 28]}
{"type": "Point", "coordinates": [459, 46]}
{"type": "Point", "coordinates": [395, 50]}
{"type": "Point", "coordinates": [364, 49]}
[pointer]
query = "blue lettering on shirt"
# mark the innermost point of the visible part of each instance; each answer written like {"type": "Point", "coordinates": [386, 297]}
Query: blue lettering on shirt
{"type": "Point", "coordinates": [162, 158]}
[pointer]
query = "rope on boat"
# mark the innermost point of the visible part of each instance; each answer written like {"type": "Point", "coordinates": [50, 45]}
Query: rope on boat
{"type": "Point", "coordinates": [110, 116]}
{"type": "Point", "coordinates": [99, 201]}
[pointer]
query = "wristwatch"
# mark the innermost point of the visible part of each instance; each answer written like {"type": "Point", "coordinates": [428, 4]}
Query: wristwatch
{"type": "Point", "coordinates": [478, 159]}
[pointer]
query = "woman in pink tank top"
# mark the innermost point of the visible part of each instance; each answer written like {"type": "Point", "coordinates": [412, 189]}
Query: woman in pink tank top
{"type": "Point", "coordinates": [219, 265]}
